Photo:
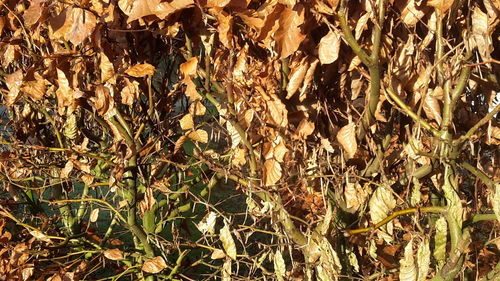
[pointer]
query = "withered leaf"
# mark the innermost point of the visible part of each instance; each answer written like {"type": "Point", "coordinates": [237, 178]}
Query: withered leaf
{"type": "Point", "coordinates": [329, 47]}
{"type": "Point", "coordinates": [272, 171]}
{"type": "Point", "coordinates": [199, 135]}
{"type": "Point", "coordinates": [289, 36]}
{"type": "Point", "coordinates": [113, 254]}
{"type": "Point", "coordinates": [296, 77]}
{"type": "Point", "coordinates": [346, 136]}
{"type": "Point", "coordinates": [14, 82]}
{"type": "Point", "coordinates": [442, 5]}
{"type": "Point", "coordinates": [154, 265]}
{"type": "Point", "coordinates": [141, 70]}
{"type": "Point", "coordinates": [189, 67]}
{"type": "Point", "coordinates": [187, 122]}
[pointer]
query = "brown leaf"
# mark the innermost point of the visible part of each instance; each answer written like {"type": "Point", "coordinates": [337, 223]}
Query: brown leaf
{"type": "Point", "coordinates": [189, 67]}
{"type": "Point", "coordinates": [187, 122]}
{"type": "Point", "coordinates": [272, 171]}
{"type": "Point", "coordinates": [35, 88]}
{"type": "Point", "coordinates": [33, 13]}
{"type": "Point", "coordinates": [154, 265]}
{"type": "Point", "coordinates": [346, 136]}
{"type": "Point", "coordinates": [104, 103]}
{"type": "Point", "coordinates": [239, 157]}
{"type": "Point", "coordinates": [107, 69]}
{"type": "Point", "coordinates": [280, 151]}
{"type": "Point", "coordinates": [64, 93]}
{"type": "Point", "coordinates": [481, 34]}
{"type": "Point", "coordinates": [329, 47]}
{"type": "Point", "coordinates": [307, 80]}
{"type": "Point", "coordinates": [442, 5]}
{"type": "Point", "coordinates": [225, 29]}
{"type": "Point", "coordinates": [289, 36]}
{"type": "Point", "coordinates": [199, 135]}
{"type": "Point", "coordinates": [141, 70]}
{"type": "Point", "coordinates": [113, 254]}
{"type": "Point", "coordinates": [130, 92]}
{"type": "Point", "coordinates": [138, 9]}
{"type": "Point", "coordinates": [277, 111]}
{"type": "Point", "coordinates": [179, 143]}
{"type": "Point", "coordinates": [191, 91]}
{"type": "Point", "coordinates": [305, 129]}
{"type": "Point", "coordinates": [432, 108]}
{"type": "Point", "coordinates": [361, 25]}
{"type": "Point", "coordinates": [197, 108]}
{"type": "Point", "coordinates": [14, 82]}
{"type": "Point", "coordinates": [411, 14]}
{"type": "Point", "coordinates": [296, 77]}
{"type": "Point", "coordinates": [78, 25]}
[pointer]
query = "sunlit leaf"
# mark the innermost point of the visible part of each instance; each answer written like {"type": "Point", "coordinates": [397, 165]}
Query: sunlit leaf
{"type": "Point", "coordinates": [227, 241]}
{"type": "Point", "coordinates": [39, 235]}
{"type": "Point", "coordinates": [306, 128]}
{"type": "Point", "coordinates": [496, 201]}
{"type": "Point", "coordinates": [14, 82]}
{"type": "Point", "coordinates": [217, 254]}
{"type": "Point", "coordinates": [33, 13]}
{"type": "Point", "coordinates": [94, 215]}
{"type": "Point", "coordinates": [442, 5]}
{"type": "Point", "coordinates": [189, 67]}
{"type": "Point", "coordinates": [107, 69]}
{"type": "Point", "coordinates": [346, 136]}
{"type": "Point", "coordinates": [197, 108]}
{"type": "Point", "coordinates": [411, 13]}
{"type": "Point", "coordinates": [481, 33]}
{"type": "Point", "coordinates": [70, 127]}
{"type": "Point", "coordinates": [272, 171]}
{"type": "Point", "coordinates": [289, 36]}
{"type": "Point", "coordinates": [227, 270]}
{"type": "Point", "coordinates": [154, 265]}
{"type": "Point", "coordinates": [423, 259]}
{"type": "Point", "coordinates": [199, 135]}
{"type": "Point", "coordinates": [78, 25]}
{"type": "Point", "coordinates": [440, 238]}
{"type": "Point", "coordinates": [37, 88]}
{"type": "Point", "coordinates": [113, 254]}
{"type": "Point", "coordinates": [141, 70]}
{"type": "Point", "coordinates": [179, 143]}
{"type": "Point", "coordinates": [279, 265]}
{"type": "Point", "coordinates": [207, 224]}
{"type": "Point", "coordinates": [187, 122]}
{"type": "Point", "coordinates": [407, 270]}
{"type": "Point", "coordinates": [432, 108]}
{"type": "Point", "coordinates": [296, 77]}
{"type": "Point", "coordinates": [361, 24]}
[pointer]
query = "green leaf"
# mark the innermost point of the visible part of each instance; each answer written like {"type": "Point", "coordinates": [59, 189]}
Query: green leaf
{"type": "Point", "coordinates": [148, 221]}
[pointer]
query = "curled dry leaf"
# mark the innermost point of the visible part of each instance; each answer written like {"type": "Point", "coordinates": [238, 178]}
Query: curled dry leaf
{"type": "Point", "coordinates": [154, 265]}
{"type": "Point", "coordinates": [199, 135]}
{"type": "Point", "coordinates": [346, 136]}
{"type": "Point", "coordinates": [141, 70]}
{"type": "Point", "coordinates": [113, 254]}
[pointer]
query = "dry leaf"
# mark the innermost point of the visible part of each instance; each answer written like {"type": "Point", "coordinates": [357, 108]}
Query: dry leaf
{"type": "Point", "coordinates": [199, 135]}
{"type": "Point", "coordinates": [14, 82]}
{"type": "Point", "coordinates": [217, 254]}
{"type": "Point", "coordinates": [432, 108]}
{"type": "Point", "coordinates": [187, 122]}
{"type": "Point", "coordinates": [189, 67]}
{"type": "Point", "coordinates": [94, 215]}
{"type": "Point", "coordinates": [272, 171]}
{"type": "Point", "coordinates": [481, 34]}
{"type": "Point", "coordinates": [296, 77]}
{"type": "Point", "coordinates": [179, 143]}
{"type": "Point", "coordinates": [107, 69]}
{"type": "Point", "coordinates": [442, 5]}
{"type": "Point", "coordinates": [154, 265]}
{"type": "Point", "coordinates": [289, 36]}
{"type": "Point", "coordinates": [305, 129]}
{"type": "Point", "coordinates": [141, 70]}
{"type": "Point", "coordinates": [329, 47]}
{"type": "Point", "coordinates": [113, 254]}
{"type": "Point", "coordinates": [346, 136]}
{"type": "Point", "coordinates": [227, 241]}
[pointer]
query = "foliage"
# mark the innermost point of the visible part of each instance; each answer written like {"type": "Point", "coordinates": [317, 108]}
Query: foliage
{"type": "Point", "coordinates": [239, 139]}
